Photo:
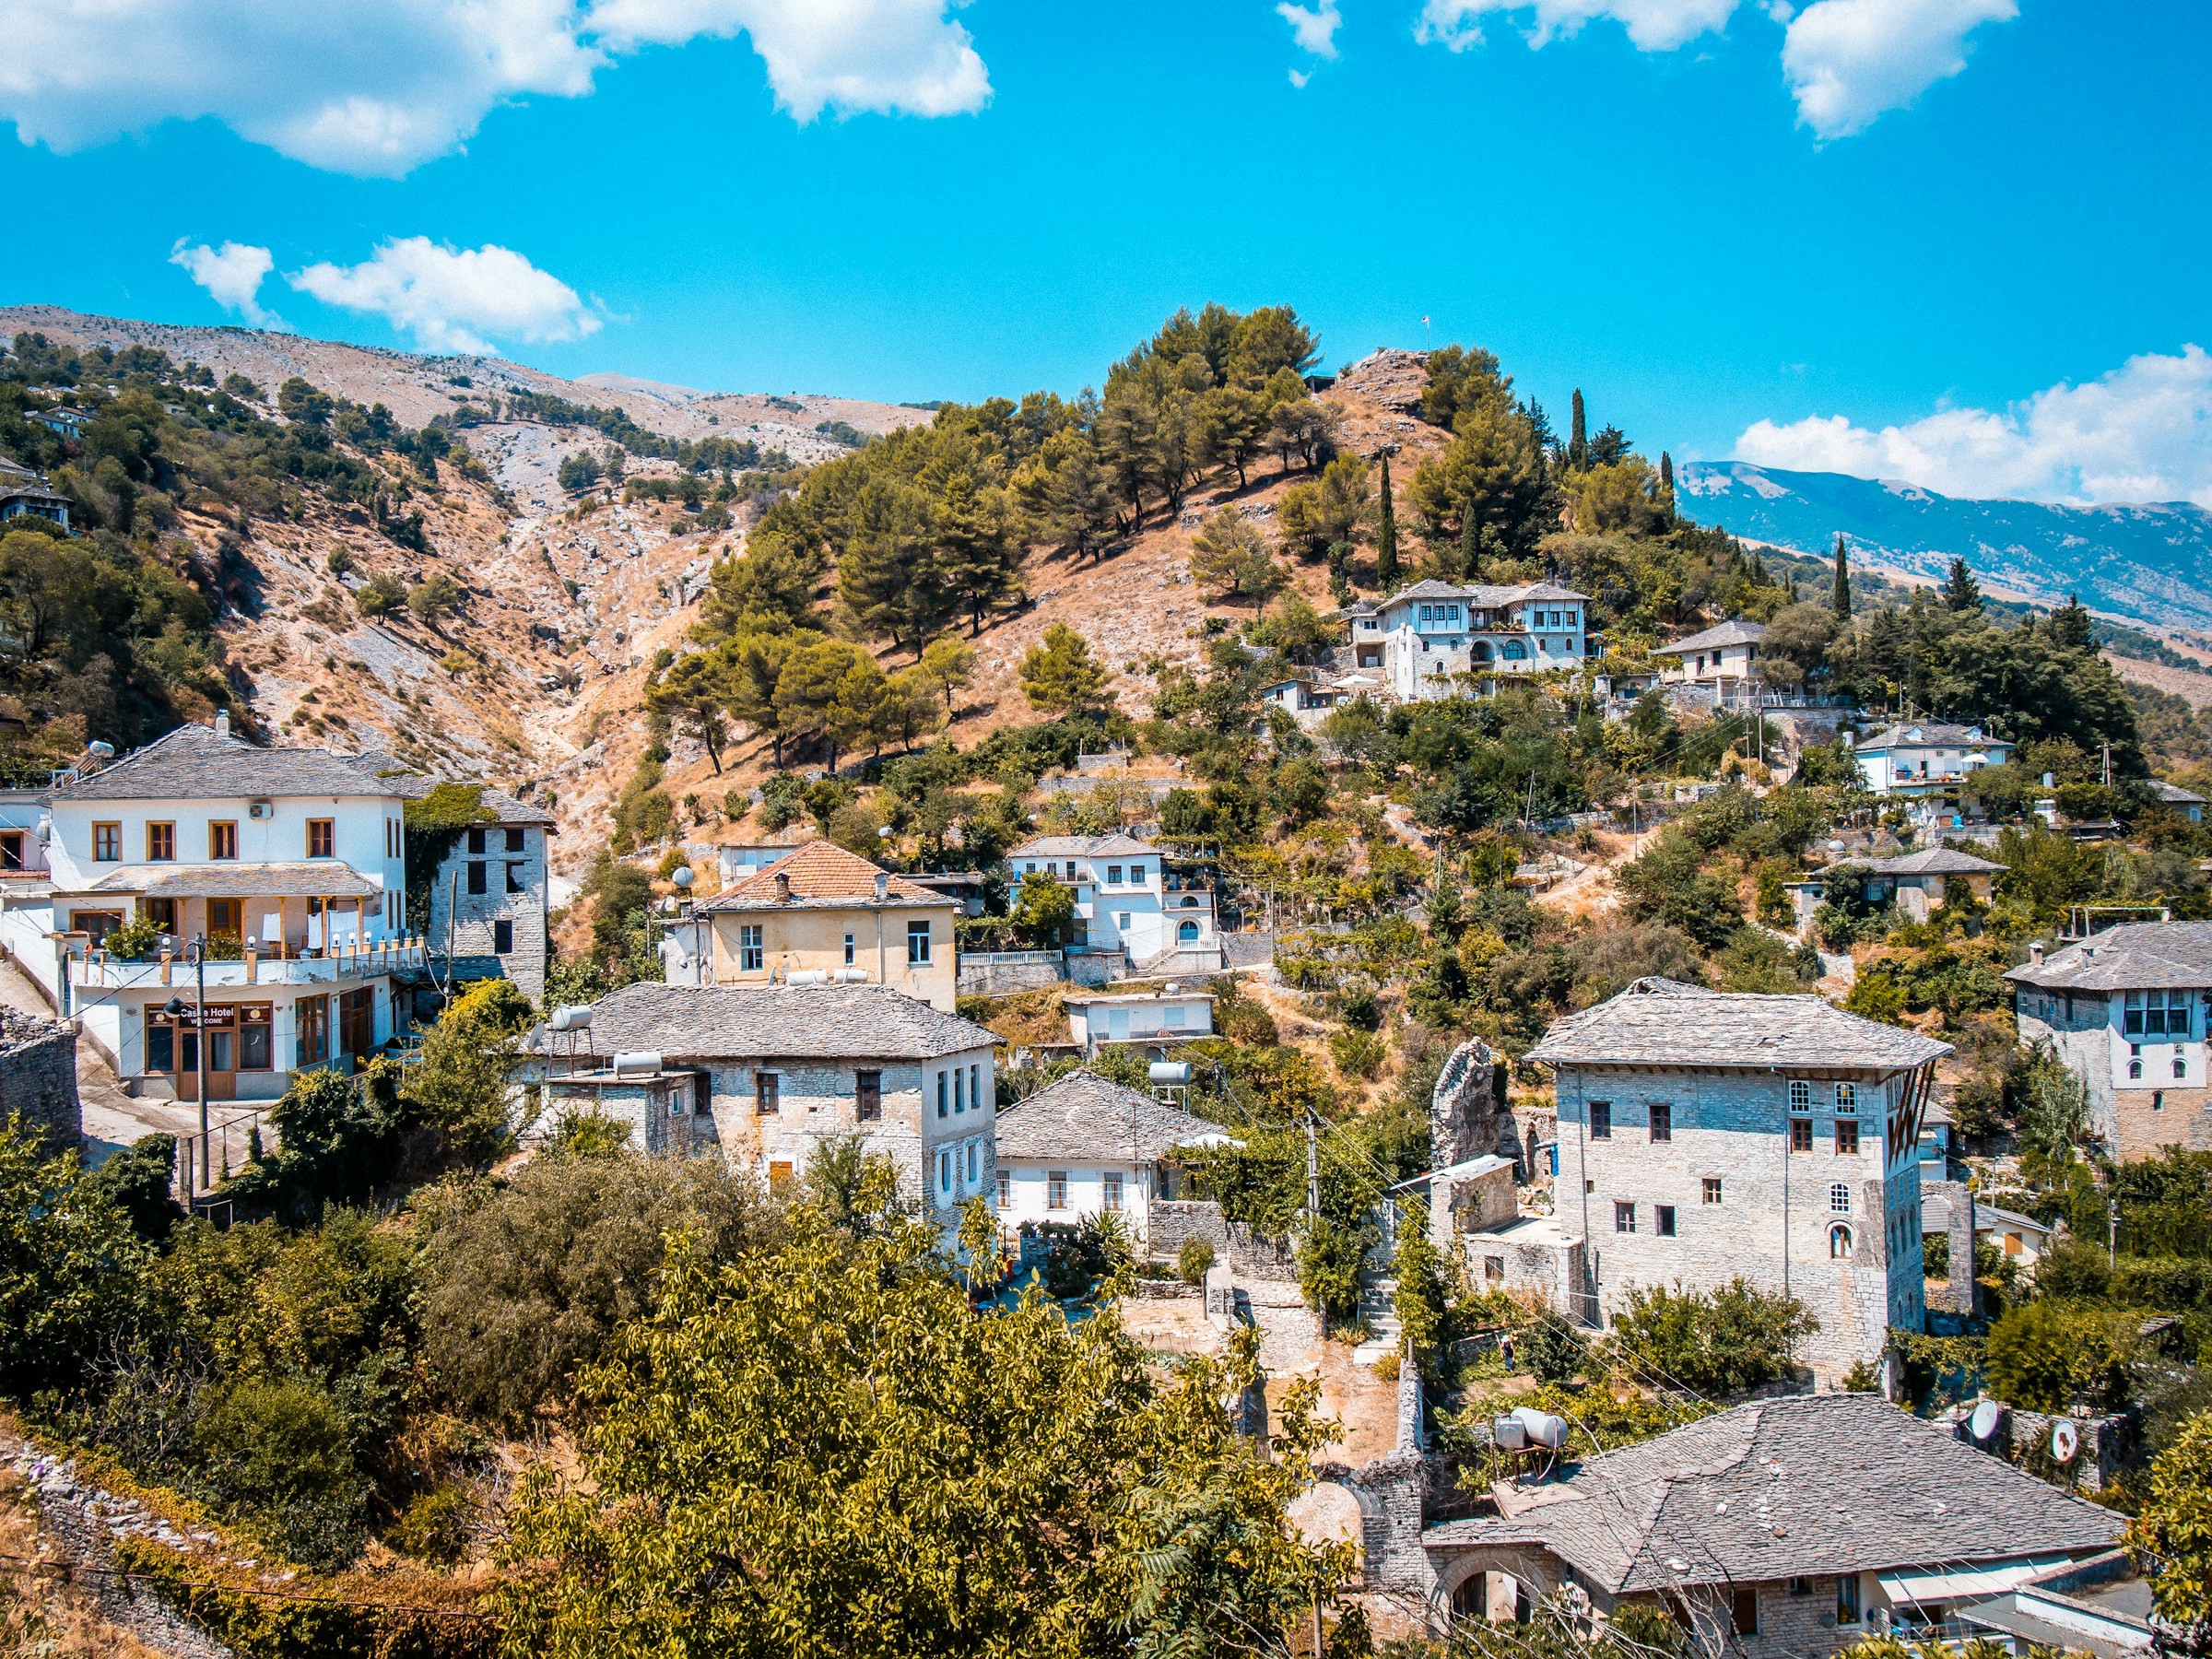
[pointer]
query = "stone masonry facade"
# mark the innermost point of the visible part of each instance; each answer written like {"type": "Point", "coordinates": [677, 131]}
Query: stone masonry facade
{"type": "Point", "coordinates": [37, 1077]}
{"type": "Point", "coordinates": [509, 862]}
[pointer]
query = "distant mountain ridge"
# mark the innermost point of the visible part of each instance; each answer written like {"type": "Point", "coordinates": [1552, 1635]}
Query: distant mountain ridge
{"type": "Point", "coordinates": [2151, 560]}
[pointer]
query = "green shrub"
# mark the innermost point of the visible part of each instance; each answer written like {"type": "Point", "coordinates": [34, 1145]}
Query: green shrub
{"type": "Point", "coordinates": [279, 1454]}
{"type": "Point", "coordinates": [1719, 1342]}
{"type": "Point", "coordinates": [2048, 1355]}
{"type": "Point", "coordinates": [1194, 1261]}
{"type": "Point", "coordinates": [437, 1525]}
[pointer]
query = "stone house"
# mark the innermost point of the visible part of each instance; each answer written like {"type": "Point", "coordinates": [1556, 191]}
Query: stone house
{"type": "Point", "coordinates": [1918, 882]}
{"type": "Point", "coordinates": [1158, 1017]}
{"type": "Point", "coordinates": [1787, 1527]}
{"type": "Point", "coordinates": [1083, 1146]}
{"type": "Point", "coordinates": [822, 914]}
{"type": "Point", "coordinates": [1720, 657]}
{"type": "Point", "coordinates": [1127, 902]}
{"type": "Point", "coordinates": [1436, 639]}
{"type": "Point", "coordinates": [1704, 1135]}
{"type": "Point", "coordinates": [1927, 757]}
{"type": "Point", "coordinates": [2126, 1009]}
{"type": "Point", "coordinates": [782, 1068]}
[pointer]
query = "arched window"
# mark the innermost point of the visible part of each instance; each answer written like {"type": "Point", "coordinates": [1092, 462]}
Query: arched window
{"type": "Point", "coordinates": [1839, 1198]}
{"type": "Point", "coordinates": [1479, 652]}
{"type": "Point", "coordinates": [1186, 933]}
{"type": "Point", "coordinates": [2134, 1068]}
{"type": "Point", "coordinates": [1838, 1242]}
{"type": "Point", "coordinates": [2181, 1069]}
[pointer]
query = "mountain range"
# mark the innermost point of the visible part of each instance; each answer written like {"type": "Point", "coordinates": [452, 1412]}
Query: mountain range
{"type": "Point", "coordinates": [2150, 561]}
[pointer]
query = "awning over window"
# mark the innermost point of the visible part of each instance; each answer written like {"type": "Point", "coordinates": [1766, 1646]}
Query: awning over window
{"type": "Point", "coordinates": [1927, 1586]}
{"type": "Point", "coordinates": [322, 878]}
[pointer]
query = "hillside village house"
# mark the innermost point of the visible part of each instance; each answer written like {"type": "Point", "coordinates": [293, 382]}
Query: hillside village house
{"type": "Point", "coordinates": [24, 494]}
{"type": "Point", "coordinates": [2183, 802]}
{"type": "Point", "coordinates": [1084, 1147]}
{"type": "Point", "coordinates": [1173, 1015]}
{"type": "Point", "coordinates": [487, 899]}
{"type": "Point", "coordinates": [1788, 1526]}
{"type": "Point", "coordinates": [1920, 882]}
{"type": "Point", "coordinates": [2126, 1009]}
{"type": "Point", "coordinates": [1927, 757]}
{"type": "Point", "coordinates": [782, 1068]}
{"type": "Point", "coordinates": [1126, 900]}
{"type": "Point", "coordinates": [1429, 638]}
{"type": "Point", "coordinates": [824, 914]}
{"type": "Point", "coordinates": [1720, 657]}
{"type": "Point", "coordinates": [289, 861]}
{"type": "Point", "coordinates": [1705, 1135]}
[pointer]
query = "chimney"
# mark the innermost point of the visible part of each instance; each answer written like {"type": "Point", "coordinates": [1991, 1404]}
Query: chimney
{"type": "Point", "coordinates": [883, 884]}
{"type": "Point", "coordinates": [783, 886]}
{"type": "Point", "coordinates": [2035, 954]}
{"type": "Point", "coordinates": [222, 723]}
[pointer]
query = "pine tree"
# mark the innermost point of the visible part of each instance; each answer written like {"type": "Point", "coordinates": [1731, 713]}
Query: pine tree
{"type": "Point", "coordinates": [1386, 538]}
{"type": "Point", "coordinates": [1578, 437]}
{"type": "Point", "coordinates": [1841, 601]}
{"type": "Point", "coordinates": [1960, 591]}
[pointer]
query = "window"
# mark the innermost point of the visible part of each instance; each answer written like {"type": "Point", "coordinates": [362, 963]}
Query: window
{"type": "Point", "coordinates": [1801, 1135]}
{"type": "Point", "coordinates": [942, 1094]}
{"type": "Point", "coordinates": [917, 944]}
{"type": "Point", "coordinates": [514, 840]}
{"type": "Point", "coordinates": [768, 1093]}
{"type": "Point", "coordinates": [1839, 1198]}
{"type": "Point", "coordinates": [160, 844]}
{"type": "Point", "coordinates": [1663, 1221]}
{"type": "Point", "coordinates": [1847, 1136]}
{"type": "Point", "coordinates": [1847, 1098]}
{"type": "Point", "coordinates": [107, 843]}
{"type": "Point", "coordinates": [1056, 1190]}
{"type": "Point", "coordinates": [849, 950]}
{"type": "Point", "coordinates": [321, 838]}
{"type": "Point", "coordinates": [2135, 1069]}
{"type": "Point", "coordinates": [1071, 869]}
{"type": "Point", "coordinates": [1838, 1242]}
{"type": "Point", "coordinates": [1122, 919]}
{"type": "Point", "coordinates": [160, 1048]}
{"type": "Point", "coordinates": [475, 842]}
{"type": "Point", "coordinates": [222, 914]}
{"type": "Point", "coordinates": [1601, 1120]}
{"type": "Point", "coordinates": [867, 1096]}
{"type": "Point", "coordinates": [1713, 1189]}
{"type": "Point", "coordinates": [779, 1174]}
{"type": "Point", "coordinates": [1743, 1611]}
{"type": "Point", "coordinates": [514, 876]}
{"type": "Point", "coordinates": [2157, 1013]}
{"type": "Point", "coordinates": [312, 1014]}
{"type": "Point", "coordinates": [1847, 1599]}
{"type": "Point", "coordinates": [503, 937]}
{"type": "Point", "coordinates": [1186, 933]}
{"type": "Point", "coordinates": [1663, 1121]}
{"type": "Point", "coordinates": [751, 957]}
{"type": "Point", "coordinates": [223, 841]}
{"type": "Point", "coordinates": [1113, 874]}
{"type": "Point", "coordinates": [960, 1092]}
{"type": "Point", "coordinates": [1493, 1269]}
{"type": "Point", "coordinates": [2181, 1071]}
{"type": "Point", "coordinates": [1801, 1095]}
{"type": "Point", "coordinates": [162, 914]}
{"type": "Point", "coordinates": [974, 1098]}
{"type": "Point", "coordinates": [1110, 1192]}
{"type": "Point", "coordinates": [357, 1020]}
{"type": "Point", "coordinates": [1006, 1186]}
{"type": "Point", "coordinates": [975, 1152]}
{"type": "Point", "coordinates": [1624, 1217]}
{"type": "Point", "coordinates": [1801, 1586]}
{"type": "Point", "coordinates": [475, 876]}
{"type": "Point", "coordinates": [11, 850]}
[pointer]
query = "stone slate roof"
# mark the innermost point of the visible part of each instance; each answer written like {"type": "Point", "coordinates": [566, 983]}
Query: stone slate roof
{"type": "Point", "coordinates": [195, 763]}
{"type": "Point", "coordinates": [774, 1022]}
{"type": "Point", "coordinates": [1647, 1025]}
{"type": "Point", "coordinates": [1081, 846]}
{"type": "Point", "coordinates": [412, 786]}
{"type": "Point", "coordinates": [1801, 1486]}
{"type": "Point", "coordinates": [1931, 734]}
{"type": "Point", "coordinates": [1733, 633]}
{"type": "Point", "coordinates": [1084, 1118]}
{"type": "Point", "coordinates": [822, 876]}
{"type": "Point", "coordinates": [2140, 955]}
{"type": "Point", "coordinates": [324, 878]}
{"type": "Point", "coordinates": [2174, 795]}
{"type": "Point", "coordinates": [1482, 595]}
{"type": "Point", "coordinates": [1934, 861]}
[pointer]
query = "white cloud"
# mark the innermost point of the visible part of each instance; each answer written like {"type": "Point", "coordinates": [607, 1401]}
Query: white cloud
{"type": "Point", "coordinates": [1849, 61]}
{"type": "Point", "coordinates": [378, 87]}
{"type": "Point", "coordinates": [231, 275]}
{"type": "Point", "coordinates": [1314, 28]}
{"type": "Point", "coordinates": [1652, 25]}
{"type": "Point", "coordinates": [451, 299]}
{"type": "Point", "coordinates": [2141, 433]}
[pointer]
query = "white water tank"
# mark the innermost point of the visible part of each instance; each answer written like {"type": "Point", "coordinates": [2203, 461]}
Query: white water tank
{"type": "Point", "coordinates": [1171, 1074]}
{"type": "Point", "coordinates": [642, 1063]}
{"type": "Point", "coordinates": [807, 976]}
{"type": "Point", "coordinates": [575, 1016]}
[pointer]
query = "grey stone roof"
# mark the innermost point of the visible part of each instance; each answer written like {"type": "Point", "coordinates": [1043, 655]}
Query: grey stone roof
{"type": "Point", "coordinates": [2174, 795]}
{"type": "Point", "coordinates": [1934, 861]}
{"type": "Point", "coordinates": [1081, 846]}
{"type": "Point", "coordinates": [2140, 955]}
{"type": "Point", "coordinates": [412, 786]}
{"type": "Point", "coordinates": [1084, 1118]}
{"type": "Point", "coordinates": [324, 878]}
{"type": "Point", "coordinates": [1482, 595]}
{"type": "Point", "coordinates": [775, 1022]}
{"type": "Point", "coordinates": [1734, 632]}
{"type": "Point", "coordinates": [195, 763]}
{"type": "Point", "coordinates": [1787, 1488]}
{"type": "Point", "coordinates": [1647, 1025]}
{"type": "Point", "coordinates": [1932, 734]}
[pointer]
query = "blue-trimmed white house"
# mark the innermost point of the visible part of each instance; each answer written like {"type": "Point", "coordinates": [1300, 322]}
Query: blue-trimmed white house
{"type": "Point", "coordinates": [1928, 756]}
{"type": "Point", "coordinates": [1436, 640]}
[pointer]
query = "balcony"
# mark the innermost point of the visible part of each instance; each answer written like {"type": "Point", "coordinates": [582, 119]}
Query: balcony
{"type": "Point", "coordinates": [96, 971]}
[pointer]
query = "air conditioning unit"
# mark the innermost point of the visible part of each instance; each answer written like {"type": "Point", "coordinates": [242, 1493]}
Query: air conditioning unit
{"type": "Point", "coordinates": [262, 809]}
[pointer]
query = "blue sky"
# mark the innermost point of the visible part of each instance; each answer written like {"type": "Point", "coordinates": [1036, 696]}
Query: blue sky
{"type": "Point", "coordinates": [1793, 237]}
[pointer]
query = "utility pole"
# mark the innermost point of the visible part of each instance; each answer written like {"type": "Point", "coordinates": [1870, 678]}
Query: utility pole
{"type": "Point", "coordinates": [2112, 1244]}
{"type": "Point", "coordinates": [2107, 762]}
{"type": "Point", "coordinates": [1313, 1166]}
{"type": "Point", "coordinates": [199, 1044]}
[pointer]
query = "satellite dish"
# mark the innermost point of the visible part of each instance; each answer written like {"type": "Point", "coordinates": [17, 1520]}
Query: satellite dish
{"type": "Point", "coordinates": [1985, 1421]}
{"type": "Point", "coordinates": [2066, 1440]}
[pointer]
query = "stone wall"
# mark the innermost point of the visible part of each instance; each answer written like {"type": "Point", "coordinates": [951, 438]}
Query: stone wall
{"type": "Point", "coordinates": [38, 1077]}
{"type": "Point", "coordinates": [471, 916]}
{"type": "Point", "coordinates": [1175, 1220]}
{"type": "Point", "coordinates": [1466, 1116]}
{"type": "Point", "coordinates": [1004, 973]}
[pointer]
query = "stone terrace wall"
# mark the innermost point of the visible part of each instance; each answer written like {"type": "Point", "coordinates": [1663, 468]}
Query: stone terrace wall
{"type": "Point", "coordinates": [38, 1077]}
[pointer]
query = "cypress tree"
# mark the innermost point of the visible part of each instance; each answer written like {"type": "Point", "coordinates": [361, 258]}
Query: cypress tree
{"type": "Point", "coordinates": [1386, 538]}
{"type": "Point", "coordinates": [1578, 437]}
{"type": "Point", "coordinates": [1470, 546]}
{"type": "Point", "coordinates": [1841, 601]}
{"type": "Point", "coordinates": [1666, 473]}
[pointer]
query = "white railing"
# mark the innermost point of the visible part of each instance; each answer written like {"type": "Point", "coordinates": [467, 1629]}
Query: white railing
{"type": "Point", "coordinates": [99, 971]}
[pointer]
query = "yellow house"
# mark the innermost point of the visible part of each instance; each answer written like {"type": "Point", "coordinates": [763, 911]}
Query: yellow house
{"type": "Point", "coordinates": [825, 916]}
